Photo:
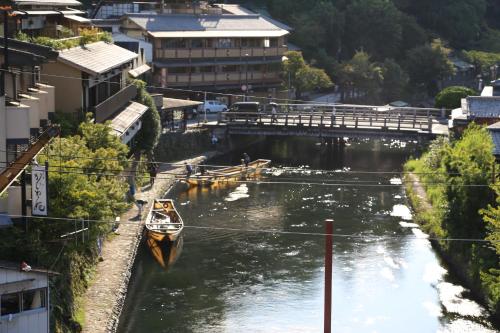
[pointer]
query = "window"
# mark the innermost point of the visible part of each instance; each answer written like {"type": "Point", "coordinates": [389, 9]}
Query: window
{"type": "Point", "coordinates": [273, 42]}
{"type": "Point", "coordinates": [197, 43]}
{"type": "Point", "coordinates": [34, 299]}
{"type": "Point", "coordinates": [225, 43]}
{"type": "Point", "coordinates": [206, 69]}
{"type": "Point", "coordinates": [231, 68]}
{"type": "Point", "coordinates": [174, 43]}
{"type": "Point", "coordinates": [178, 70]}
{"type": "Point", "coordinates": [10, 304]}
{"type": "Point", "coordinates": [266, 42]}
{"type": "Point", "coordinates": [252, 42]}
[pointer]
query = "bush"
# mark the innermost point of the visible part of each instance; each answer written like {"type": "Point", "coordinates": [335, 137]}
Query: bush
{"type": "Point", "coordinates": [451, 97]}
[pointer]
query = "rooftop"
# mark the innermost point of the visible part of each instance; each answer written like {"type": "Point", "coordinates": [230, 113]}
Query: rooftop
{"type": "Point", "coordinates": [96, 58]}
{"type": "Point", "coordinates": [483, 106]}
{"type": "Point", "coordinates": [48, 2]}
{"type": "Point", "coordinates": [174, 103]}
{"type": "Point", "coordinates": [226, 25]}
{"type": "Point", "coordinates": [495, 134]}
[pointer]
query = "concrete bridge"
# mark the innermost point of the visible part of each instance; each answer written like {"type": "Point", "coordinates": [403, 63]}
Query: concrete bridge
{"type": "Point", "coordinates": [337, 121]}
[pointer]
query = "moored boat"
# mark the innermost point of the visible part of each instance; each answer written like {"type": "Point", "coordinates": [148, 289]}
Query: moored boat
{"type": "Point", "coordinates": [163, 221]}
{"type": "Point", "coordinates": [166, 252]}
{"type": "Point", "coordinates": [254, 168]}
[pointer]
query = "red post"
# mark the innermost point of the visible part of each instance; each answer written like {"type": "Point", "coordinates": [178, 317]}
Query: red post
{"type": "Point", "coordinates": [328, 275]}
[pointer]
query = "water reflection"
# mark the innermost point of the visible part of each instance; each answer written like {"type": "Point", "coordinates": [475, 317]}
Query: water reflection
{"type": "Point", "coordinates": [231, 279]}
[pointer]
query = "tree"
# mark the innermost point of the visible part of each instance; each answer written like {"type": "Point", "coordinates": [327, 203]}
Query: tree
{"type": "Point", "coordinates": [374, 26]}
{"type": "Point", "coordinates": [149, 135]}
{"type": "Point", "coordinates": [302, 76]}
{"type": "Point", "coordinates": [427, 65]}
{"type": "Point", "coordinates": [394, 82]}
{"type": "Point", "coordinates": [451, 97]}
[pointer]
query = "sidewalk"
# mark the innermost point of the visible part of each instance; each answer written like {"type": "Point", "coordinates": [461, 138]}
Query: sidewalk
{"type": "Point", "coordinates": [103, 300]}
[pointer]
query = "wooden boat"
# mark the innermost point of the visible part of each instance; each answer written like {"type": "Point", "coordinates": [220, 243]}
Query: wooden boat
{"type": "Point", "coordinates": [163, 221]}
{"type": "Point", "coordinates": [165, 252]}
{"type": "Point", "coordinates": [240, 171]}
{"type": "Point", "coordinates": [198, 179]}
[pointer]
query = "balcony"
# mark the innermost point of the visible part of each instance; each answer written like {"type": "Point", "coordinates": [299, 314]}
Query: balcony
{"type": "Point", "coordinates": [223, 79]}
{"type": "Point", "coordinates": [161, 54]}
{"type": "Point", "coordinates": [114, 103]}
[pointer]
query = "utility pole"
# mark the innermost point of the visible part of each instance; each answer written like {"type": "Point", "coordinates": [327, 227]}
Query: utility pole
{"type": "Point", "coordinates": [328, 275]}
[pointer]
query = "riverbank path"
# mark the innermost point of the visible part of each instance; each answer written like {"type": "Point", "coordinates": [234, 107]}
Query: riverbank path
{"type": "Point", "coordinates": [103, 301]}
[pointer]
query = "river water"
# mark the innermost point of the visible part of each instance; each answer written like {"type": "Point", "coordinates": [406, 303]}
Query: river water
{"type": "Point", "coordinates": [232, 278]}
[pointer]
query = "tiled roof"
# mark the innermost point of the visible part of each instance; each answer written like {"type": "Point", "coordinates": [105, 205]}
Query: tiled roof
{"type": "Point", "coordinates": [483, 106]}
{"type": "Point", "coordinates": [48, 2]}
{"type": "Point", "coordinates": [177, 25]}
{"type": "Point", "coordinates": [96, 58]}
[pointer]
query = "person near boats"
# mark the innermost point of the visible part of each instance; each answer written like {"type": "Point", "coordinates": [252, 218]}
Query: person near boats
{"type": "Point", "coordinates": [189, 169]}
{"type": "Point", "coordinates": [246, 159]}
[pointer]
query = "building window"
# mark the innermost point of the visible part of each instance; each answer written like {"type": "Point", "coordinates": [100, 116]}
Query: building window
{"type": "Point", "coordinates": [207, 69]}
{"type": "Point", "coordinates": [10, 304]}
{"type": "Point", "coordinates": [197, 43]}
{"type": "Point", "coordinates": [34, 299]}
{"type": "Point", "coordinates": [251, 42]}
{"type": "Point", "coordinates": [230, 68]}
{"type": "Point", "coordinates": [174, 43]}
{"type": "Point", "coordinates": [225, 43]}
{"type": "Point", "coordinates": [178, 70]}
{"type": "Point", "coordinates": [273, 42]}
{"type": "Point", "coordinates": [209, 42]}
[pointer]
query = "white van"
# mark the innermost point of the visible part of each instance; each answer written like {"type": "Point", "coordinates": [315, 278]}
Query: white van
{"type": "Point", "coordinates": [213, 106]}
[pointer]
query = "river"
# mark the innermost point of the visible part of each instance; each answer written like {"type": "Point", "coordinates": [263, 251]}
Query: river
{"type": "Point", "coordinates": [233, 275]}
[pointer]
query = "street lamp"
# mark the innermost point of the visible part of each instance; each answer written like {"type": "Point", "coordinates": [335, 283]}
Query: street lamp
{"type": "Point", "coordinates": [246, 75]}
{"type": "Point", "coordinates": [284, 59]}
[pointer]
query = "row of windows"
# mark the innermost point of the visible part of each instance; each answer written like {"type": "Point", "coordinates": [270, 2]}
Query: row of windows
{"type": "Point", "coordinates": [225, 43]}
{"type": "Point", "coordinates": [226, 69]}
{"type": "Point", "coordinates": [23, 301]}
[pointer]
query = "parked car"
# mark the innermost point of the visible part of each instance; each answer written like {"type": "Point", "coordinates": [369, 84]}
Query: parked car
{"type": "Point", "coordinates": [213, 106]}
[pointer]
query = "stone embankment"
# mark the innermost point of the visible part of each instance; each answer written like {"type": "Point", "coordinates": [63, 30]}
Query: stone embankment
{"type": "Point", "coordinates": [103, 300]}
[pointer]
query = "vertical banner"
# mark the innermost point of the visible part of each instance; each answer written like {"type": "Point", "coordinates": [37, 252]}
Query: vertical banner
{"type": "Point", "coordinates": [39, 191]}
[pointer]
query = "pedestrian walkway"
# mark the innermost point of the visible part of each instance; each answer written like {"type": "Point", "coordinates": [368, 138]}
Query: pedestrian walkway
{"type": "Point", "coordinates": [103, 300]}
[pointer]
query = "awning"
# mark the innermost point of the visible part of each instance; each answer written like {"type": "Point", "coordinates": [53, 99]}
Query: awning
{"type": "Point", "coordinates": [127, 118]}
{"type": "Point", "coordinates": [37, 12]}
{"type": "Point", "coordinates": [139, 70]}
{"type": "Point", "coordinates": [174, 103]}
{"type": "Point", "coordinates": [77, 18]}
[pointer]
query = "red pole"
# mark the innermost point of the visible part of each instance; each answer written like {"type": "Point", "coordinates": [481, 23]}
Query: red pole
{"type": "Point", "coordinates": [328, 275]}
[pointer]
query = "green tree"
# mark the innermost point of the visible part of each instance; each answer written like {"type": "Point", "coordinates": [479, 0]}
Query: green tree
{"type": "Point", "coordinates": [394, 82]}
{"type": "Point", "coordinates": [451, 97]}
{"type": "Point", "coordinates": [148, 137]}
{"type": "Point", "coordinates": [427, 65]}
{"type": "Point", "coordinates": [303, 77]}
{"type": "Point", "coordinates": [373, 26]}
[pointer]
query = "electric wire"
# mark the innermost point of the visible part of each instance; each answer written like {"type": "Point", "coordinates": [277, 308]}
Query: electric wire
{"type": "Point", "coordinates": [267, 231]}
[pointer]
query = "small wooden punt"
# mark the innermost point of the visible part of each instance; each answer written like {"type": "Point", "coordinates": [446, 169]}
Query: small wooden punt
{"type": "Point", "coordinates": [198, 179]}
{"type": "Point", "coordinates": [240, 171]}
{"type": "Point", "coordinates": [163, 221]}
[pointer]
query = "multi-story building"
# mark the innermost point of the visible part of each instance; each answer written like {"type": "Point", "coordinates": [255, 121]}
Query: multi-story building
{"type": "Point", "coordinates": [194, 45]}
{"type": "Point", "coordinates": [54, 18]}
{"type": "Point", "coordinates": [95, 76]}
{"type": "Point", "coordinates": [26, 105]}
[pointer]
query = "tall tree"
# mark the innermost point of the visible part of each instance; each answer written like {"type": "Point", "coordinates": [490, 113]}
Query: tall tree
{"type": "Point", "coordinates": [395, 80]}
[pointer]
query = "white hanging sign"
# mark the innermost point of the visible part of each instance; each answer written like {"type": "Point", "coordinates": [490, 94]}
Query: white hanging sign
{"type": "Point", "coordinates": [39, 191]}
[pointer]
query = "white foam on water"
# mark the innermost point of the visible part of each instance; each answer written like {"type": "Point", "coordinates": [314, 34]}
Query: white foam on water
{"type": "Point", "coordinates": [433, 309]}
{"type": "Point", "coordinates": [277, 172]}
{"type": "Point", "coordinates": [419, 233]}
{"type": "Point", "coordinates": [433, 273]}
{"type": "Point", "coordinates": [396, 181]}
{"type": "Point", "coordinates": [185, 203]}
{"type": "Point", "coordinates": [391, 263]}
{"type": "Point", "coordinates": [380, 250]}
{"type": "Point", "coordinates": [408, 225]}
{"type": "Point", "coordinates": [450, 296]}
{"type": "Point", "coordinates": [387, 273]}
{"type": "Point", "coordinates": [241, 192]}
{"type": "Point", "coordinates": [401, 211]}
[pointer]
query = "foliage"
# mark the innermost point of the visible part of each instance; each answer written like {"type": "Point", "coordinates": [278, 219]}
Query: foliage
{"type": "Point", "coordinates": [482, 60]}
{"type": "Point", "coordinates": [428, 64]}
{"type": "Point", "coordinates": [460, 209]}
{"type": "Point", "coordinates": [491, 216]}
{"type": "Point", "coordinates": [67, 122]}
{"type": "Point", "coordinates": [395, 81]}
{"type": "Point", "coordinates": [303, 77]}
{"type": "Point", "coordinates": [147, 138]}
{"type": "Point", "coordinates": [451, 97]}
{"type": "Point", "coordinates": [90, 35]}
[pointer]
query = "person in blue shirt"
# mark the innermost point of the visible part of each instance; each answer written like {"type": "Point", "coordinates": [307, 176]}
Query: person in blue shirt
{"type": "Point", "coordinates": [189, 169]}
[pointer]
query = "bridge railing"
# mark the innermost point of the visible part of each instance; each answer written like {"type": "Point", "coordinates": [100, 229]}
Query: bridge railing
{"type": "Point", "coordinates": [355, 120]}
{"type": "Point", "coordinates": [364, 109]}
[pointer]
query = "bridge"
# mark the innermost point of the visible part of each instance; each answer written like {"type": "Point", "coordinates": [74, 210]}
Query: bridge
{"type": "Point", "coordinates": [337, 121]}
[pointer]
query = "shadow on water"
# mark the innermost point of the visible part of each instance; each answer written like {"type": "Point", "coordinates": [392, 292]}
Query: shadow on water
{"type": "Point", "coordinates": [232, 277]}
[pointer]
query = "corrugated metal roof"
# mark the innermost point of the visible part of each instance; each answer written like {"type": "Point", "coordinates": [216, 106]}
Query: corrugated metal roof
{"type": "Point", "coordinates": [139, 70]}
{"type": "Point", "coordinates": [96, 58]}
{"type": "Point", "coordinates": [77, 18]}
{"type": "Point", "coordinates": [496, 141]}
{"type": "Point", "coordinates": [48, 2]}
{"type": "Point", "coordinates": [127, 117]}
{"type": "Point", "coordinates": [180, 25]}
{"type": "Point", "coordinates": [483, 106]}
{"type": "Point", "coordinates": [174, 103]}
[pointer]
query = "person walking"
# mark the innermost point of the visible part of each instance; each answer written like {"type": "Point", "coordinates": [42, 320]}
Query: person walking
{"type": "Point", "coordinates": [189, 169]}
{"type": "Point", "coordinates": [246, 159]}
{"type": "Point", "coordinates": [153, 170]}
{"type": "Point", "coordinates": [274, 114]}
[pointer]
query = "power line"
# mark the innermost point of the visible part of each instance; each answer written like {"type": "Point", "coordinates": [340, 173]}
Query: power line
{"type": "Point", "coordinates": [178, 177]}
{"type": "Point", "coordinates": [267, 231]}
